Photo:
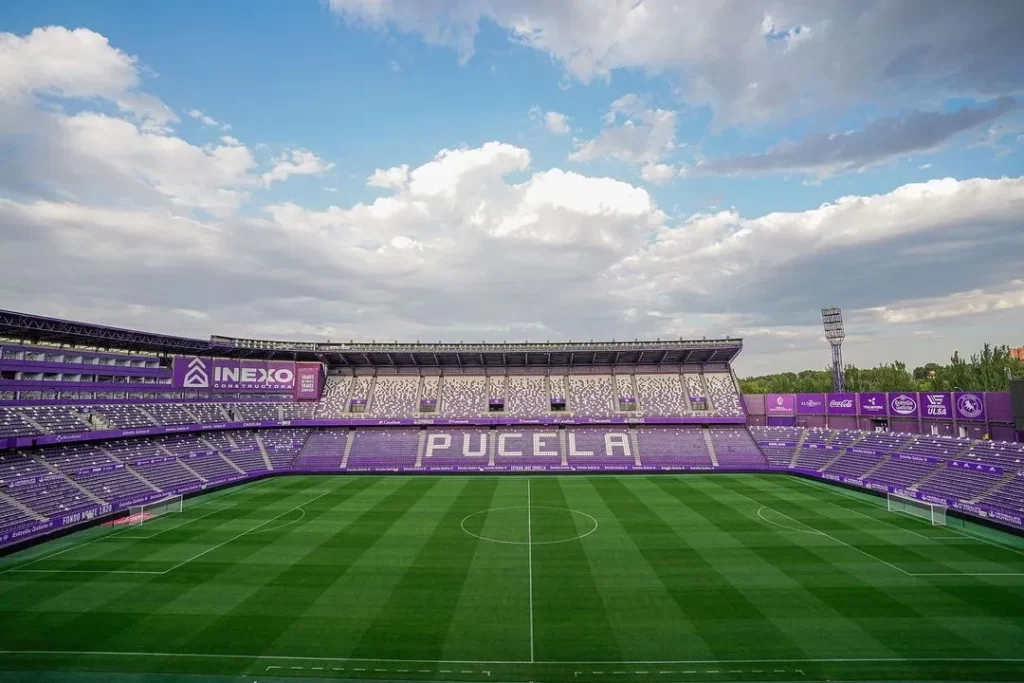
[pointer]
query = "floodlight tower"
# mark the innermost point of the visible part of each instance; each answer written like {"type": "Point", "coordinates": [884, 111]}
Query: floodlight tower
{"type": "Point", "coordinates": [832, 319]}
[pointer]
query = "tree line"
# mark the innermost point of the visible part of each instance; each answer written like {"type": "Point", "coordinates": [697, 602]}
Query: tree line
{"type": "Point", "coordinates": [989, 370]}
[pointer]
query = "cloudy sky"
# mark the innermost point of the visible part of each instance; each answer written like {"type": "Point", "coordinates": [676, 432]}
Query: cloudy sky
{"type": "Point", "coordinates": [521, 169]}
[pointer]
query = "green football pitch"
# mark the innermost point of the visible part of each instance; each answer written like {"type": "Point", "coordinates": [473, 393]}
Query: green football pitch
{"type": "Point", "coordinates": [511, 578]}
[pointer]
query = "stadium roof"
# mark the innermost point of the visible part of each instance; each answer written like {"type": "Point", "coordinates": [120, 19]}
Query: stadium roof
{"type": "Point", "coordinates": [38, 329]}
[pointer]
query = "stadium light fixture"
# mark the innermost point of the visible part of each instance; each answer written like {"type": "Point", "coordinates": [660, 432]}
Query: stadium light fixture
{"type": "Point", "coordinates": [835, 333]}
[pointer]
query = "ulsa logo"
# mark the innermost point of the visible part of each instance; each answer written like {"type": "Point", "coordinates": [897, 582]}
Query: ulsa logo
{"type": "Point", "coordinates": [936, 405]}
{"type": "Point", "coordinates": [196, 377]}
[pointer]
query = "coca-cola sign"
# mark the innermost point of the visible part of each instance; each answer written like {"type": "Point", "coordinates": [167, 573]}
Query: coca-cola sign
{"type": "Point", "coordinates": [842, 404]}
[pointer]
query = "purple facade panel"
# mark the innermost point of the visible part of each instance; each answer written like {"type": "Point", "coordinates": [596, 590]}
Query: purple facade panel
{"type": "Point", "coordinates": [780, 421]}
{"type": "Point", "coordinates": [780, 404]}
{"type": "Point", "coordinates": [842, 422]}
{"type": "Point", "coordinates": [757, 420]}
{"type": "Point", "coordinates": [754, 403]}
{"type": "Point", "coordinates": [997, 406]}
{"type": "Point", "coordinates": [904, 426]}
{"type": "Point", "coordinates": [811, 421]}
{"type": "Point", "coordinates": [973, 430]}
{"type": "Point", "coordinates": [1001, 432]}
{"type": "Point", "coordinates": [810, 404]}
{"type": "Point", "coordinates": [937, 427]}
{"type": "Point", "coordinates": [903, 404]}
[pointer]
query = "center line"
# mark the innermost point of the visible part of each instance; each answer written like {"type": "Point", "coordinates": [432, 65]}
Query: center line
{"type": "Point", "coordinates": [529, 545]}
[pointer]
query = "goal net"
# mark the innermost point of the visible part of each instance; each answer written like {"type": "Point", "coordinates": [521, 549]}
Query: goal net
{"type": "Point", "coordinates": [933, 512]}
{"type": "Point", "coordinates": [140, 514]}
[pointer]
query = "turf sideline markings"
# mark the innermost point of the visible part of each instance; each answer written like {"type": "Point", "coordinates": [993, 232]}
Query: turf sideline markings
{"type": "Point", "coordinates": [821, 660]}
{"type": "Point", "coordinates": [809, 530]}
{"type": "Point", "coordinates": [20, 568]}
{"type": "Point", "coordinates": [959, 534]}
{"type": "Point", "coordinates": [113, 534]}
{"type": "Point", "coordinates": [180, 524]}
{"type": "Point", "coordinates": [529, 545]}
{"type": "Point", "coordinates": [219, 545]}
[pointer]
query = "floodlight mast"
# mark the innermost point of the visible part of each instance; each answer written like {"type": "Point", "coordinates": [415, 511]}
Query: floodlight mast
{"type": "Point", "coordinates": [832, 320]}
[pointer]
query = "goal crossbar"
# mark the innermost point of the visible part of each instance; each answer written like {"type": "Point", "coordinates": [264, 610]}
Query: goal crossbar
{"type": "Point", "coordinates": [932, 512]}
{"type": "Point", "coordinates": [140, 514]}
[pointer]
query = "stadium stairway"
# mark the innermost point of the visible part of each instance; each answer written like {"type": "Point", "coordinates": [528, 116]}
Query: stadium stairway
{"type": "Point", "coordinates": [138, 475]}
{"type": "Point", "coordinates": [421, 446]}
{"type": "Point", "coordinates": [348, 449]}
{"type": "Point", "coordinates": [1007, 478]}
{"type": "Point", "coordinates": [263, 451]}
{"type": "Point", "coordinates": [881, 462]}
{"type": "Point", "coordinates": [230, 464]}
{"type": "Point", "coordinates": [192, 471]}
{"type": "Point", "coordinates": [562, 447]}
{"type": "Point", "coordinates": [192, 416]}
{"type": "Point", "coordinates": [634, 444]}
{"type": "Point", "coordinates": [149, 416]}
{"type": "Point", "coordinates": [841, 453]}
{"type": "Point", "coordinates": [35, 425]}
{"type": "Point", "coordinates": [711, 445]}
{"type": "Point", "coordinates": [941, 466]}
{"type": "Point", "coordinates": [208, 444]}
{"type": "Point", "coordinates": [15, 503]}
{"type": "Point", "coordinates": [799, 448]}
{"type": "Point", "coordinates": [166, 451]}
{"type": "Point", "coordinates": [85, 492]}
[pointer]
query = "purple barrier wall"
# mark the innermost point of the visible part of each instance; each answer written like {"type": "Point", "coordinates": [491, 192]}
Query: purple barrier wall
{"type": "Point", "coordinates": [754, 403]}
{"type": "Point", "coordinates": [12, 365]}
{"type": "Point", "coordinates": [998, 406]}
{"type": "Point", "coordinates": [364, 422]}
{"type": "Point", "coordinates": [842, 422]}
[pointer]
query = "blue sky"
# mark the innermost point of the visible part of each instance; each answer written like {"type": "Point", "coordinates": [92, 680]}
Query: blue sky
{"type": "Point", "coordinates": [574, 170]}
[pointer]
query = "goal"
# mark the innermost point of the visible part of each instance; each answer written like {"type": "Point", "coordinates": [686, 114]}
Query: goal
{"type": "Point", "coordinates": [139, 514]}
{"type": "Point", "coordinates": [932, 512]}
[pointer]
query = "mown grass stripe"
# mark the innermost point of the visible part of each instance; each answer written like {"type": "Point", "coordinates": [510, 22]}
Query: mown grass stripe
{"type": "Point", "coordinates": [266, 614]}
{"type": "Point", "coordinates": [724, 617]}
{"type": "Point", "coordinates": [890, 607]}
{"type": "Point", "coordinates": [570, 620]}
{"type": "Point", "coordinates": [76, 624]}
{"type": "Point", "coordinates": [433, 582]}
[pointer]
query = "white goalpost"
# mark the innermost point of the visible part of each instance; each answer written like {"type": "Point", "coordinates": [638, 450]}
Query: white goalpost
{"type": "Point", "coordinates": [933, 512]}
{"type": "Point", "coordinates": [139, 514]}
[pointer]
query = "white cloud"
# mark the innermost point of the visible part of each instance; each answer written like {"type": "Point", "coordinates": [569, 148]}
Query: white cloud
{"type": "Point", "coordinates": [208, 120]}
{"type": "Point", "coordinates": [954, 305]}
{"type": "Point", "coordinates": [332, 190]}
{"type": "Point", "coordinates": [296, 162]}
{"type": "Point", "coordinates": [808, 54]}
{"type": "Point", "coordinates": [659, 174]}
{"type": "Point", "coordinates": [78, 64]}
{"type": "Point", "coordinates": [632, 133]}
{"type": "Point", "coordinates": [880, 141]}
{"type": "Point", "coordinates": [389, 178]}
{"type": "Point", "coordinates": [556, 123]}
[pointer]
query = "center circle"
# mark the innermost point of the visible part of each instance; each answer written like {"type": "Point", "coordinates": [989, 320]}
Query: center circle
{"type": "Point", "coordinates": [533, 525]}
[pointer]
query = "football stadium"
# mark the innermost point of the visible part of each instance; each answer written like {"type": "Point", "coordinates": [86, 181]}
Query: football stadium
{"type": "Point", "coordinates": [512, 341]}
{"type": "Point", "coordinates": [242, 509]}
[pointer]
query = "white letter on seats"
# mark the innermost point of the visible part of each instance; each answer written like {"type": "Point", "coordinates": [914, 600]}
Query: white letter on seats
{"type": "Point", "coordinates": [538, 444]}
{"type": "Point", "coordinates": [613, 440]}
{"type": "Point", "coordinates": [501, 444]}
{"type": "Point", "coordinates": [467, 441]}
{"type": "Point", "coordinates": [572, 446]}
{"type": "Point", "coordinates": [437, 442]}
